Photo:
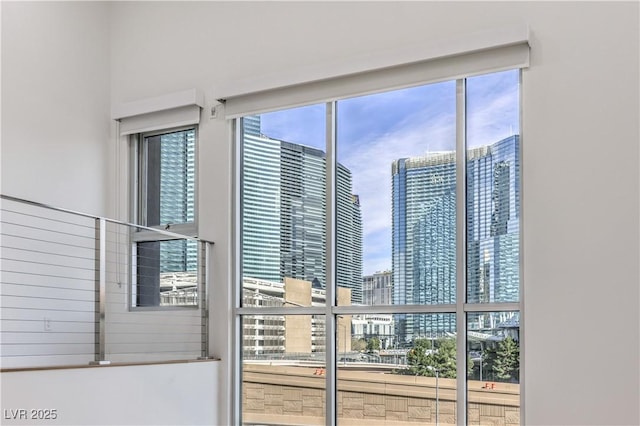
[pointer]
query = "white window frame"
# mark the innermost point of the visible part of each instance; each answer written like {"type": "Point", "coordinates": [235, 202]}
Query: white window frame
{"type": "Point", "coordinates": [509, 52]}
{"type": "Point", "coordinates": [139, 195]}
{"type": "Point", "coordinates": [164, 113]}
{"type": "Point", "coordinates": [138, 148]}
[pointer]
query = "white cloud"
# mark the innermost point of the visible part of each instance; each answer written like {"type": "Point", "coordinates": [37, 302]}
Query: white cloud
{"type": "Point", "coordinates": [370, 164]}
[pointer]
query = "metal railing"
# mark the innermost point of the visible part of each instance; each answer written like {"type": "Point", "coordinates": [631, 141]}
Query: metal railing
{"type": "Point", "coordinates": [77, 288]}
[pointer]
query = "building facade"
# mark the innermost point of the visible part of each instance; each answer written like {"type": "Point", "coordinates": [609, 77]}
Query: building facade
{"type": "Point", "coordinates": [380, 326]}
{"type": "Point", "coordinates": [290, 336]}
{"type": "Point", "coordinates": [284, 223]}
{"type": "Point", "coordinates": [377, 289]}
{"type": "Point", "coordinates": [424, 233]}
{"type": "Point", "coordinates": [170, 190]}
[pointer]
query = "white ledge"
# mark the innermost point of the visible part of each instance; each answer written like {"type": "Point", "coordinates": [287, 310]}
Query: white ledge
{"type": "Point", "coordinates": [421, 51]}
{"type": "Point", "coordinates": [158, 103]}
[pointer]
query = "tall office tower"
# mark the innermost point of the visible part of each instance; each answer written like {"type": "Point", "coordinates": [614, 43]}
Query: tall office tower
{"type": "Point", "coordinates": [377, 288]}
{"type": "Point", "coordinates": [423, 241]}
{"type": "Point", "coordinates": [348, 236]}
{"type": "Point", "coordinates": [260, 204]}
{"type": "Point", "coordinates": [302, 217]}
{"type": "Point", "coordinates": [424, 232]}
{"type": "Point", "coordinates": [284, 223]}
{"type": "Point", "coordinates": [177, 195]}
{"type": "Point", "coordinates": [493, 223]}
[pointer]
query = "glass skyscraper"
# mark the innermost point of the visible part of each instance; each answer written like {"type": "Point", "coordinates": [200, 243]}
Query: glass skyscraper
{"type": "Point", "coordinates": [177, 197]}
{"type": "Point", "coordinates": [284, 202]}
{"type": "Point", "coordinates": [424, 232]}
{"type": "Point", "coordinates": [493, 222]}
{"type": "Point", "coordinates": [167, 177]}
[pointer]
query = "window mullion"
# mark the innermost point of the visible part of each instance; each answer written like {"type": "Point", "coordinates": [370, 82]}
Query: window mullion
{"type": "Point", "coordinates": [236, 361]}
{"type": "Point", "coordinates": [330, 319]}
{"type": "Point", "coordinates": [142, 193]}
{"type": "Point", "coordinates": [461, 249]}
{"type": "Point", "coordinates": [520, 265]}
{"type": "Point", "coordinates": [492, 307]}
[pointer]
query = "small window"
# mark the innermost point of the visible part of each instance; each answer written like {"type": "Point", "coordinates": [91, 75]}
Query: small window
{"type": "Point", "coordinates": [164, 272]}
{"type": "Point", "coordinates": [166, 164]}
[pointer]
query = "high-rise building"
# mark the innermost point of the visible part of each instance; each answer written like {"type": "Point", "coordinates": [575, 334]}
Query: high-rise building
{"type": "Point", "coordinates": [167, 180]}
{"type": "Point", "coordinates": [176, 187]}
{"type": "Point", "coordinates": [493, 223]}
{"type": "Point", "coordinates": [424, 232]}
{"type": "Point", "coordinates": [284, 221]}
{"type": "Point", "coordinates": [377, 288]}
{"type": "Point", "coordinates": [348, 237]}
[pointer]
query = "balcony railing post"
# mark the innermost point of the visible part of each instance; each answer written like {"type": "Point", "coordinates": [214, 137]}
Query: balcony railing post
{"type": "Point", "coordinates": [203, 279]}
{"type": "Point", "coordinates": [100, 288]}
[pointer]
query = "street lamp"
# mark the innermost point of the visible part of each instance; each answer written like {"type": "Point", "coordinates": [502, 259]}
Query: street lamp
{"type": "Point", "coordinates": [395, 352]}
{"type": "Point", "coordinates": [435, 370]}
{"type": "Point", "coordinates": [343, 325]}
{"type": "Point", "coordinates": [344, 337]}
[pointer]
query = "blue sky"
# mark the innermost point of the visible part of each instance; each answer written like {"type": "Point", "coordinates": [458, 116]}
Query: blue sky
{"type": "Point", "coordinates": [376, 129]}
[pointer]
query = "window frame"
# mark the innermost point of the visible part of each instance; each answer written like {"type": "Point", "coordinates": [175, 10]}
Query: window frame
{"type": "Point", "coordinates": [332, 310]}
{"type": "Point", "coordinates": [138, 207]}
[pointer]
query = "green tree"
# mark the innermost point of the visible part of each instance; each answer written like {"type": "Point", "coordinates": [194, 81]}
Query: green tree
{"type": "Point", "coordinates": [488, 359]}
{"type": "Point", "coordinates": [506, 364]}
{"type": "Point", "coordinates": [423, 361]}
{"type": "Point", "coordinates": [373, 344]}
{"type": "Point", "coordinates": [358, 344]}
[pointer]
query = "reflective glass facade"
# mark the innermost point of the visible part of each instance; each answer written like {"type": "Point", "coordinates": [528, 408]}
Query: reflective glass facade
{"type": "Point", "coordinates": [493, 222]}
{"type": "Point", "coordinates": [284, 221]}
{"type": "Point", "coordinates": [424, 232]}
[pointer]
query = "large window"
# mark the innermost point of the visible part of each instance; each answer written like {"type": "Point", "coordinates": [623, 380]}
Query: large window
{"type": "Point", "coordinates": [392, 222]}
{"type": "Point", "coordinates": [165, 267]}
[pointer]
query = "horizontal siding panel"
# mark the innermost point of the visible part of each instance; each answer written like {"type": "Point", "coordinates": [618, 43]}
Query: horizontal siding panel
{"type": "Point", "coordinates": [150, 357]}
{"type": "Point", "coordinates": [52, 237]}
{"type": "Point", "coordinates": [47, 338]}
{"type": "Point", "coordinates": [50, 293]}
{"type": "Point", "coordinates": [67, 224]}
{"type": "Point", "coordinates": [39, 213]}
{"type": "Point", "coordinates": [44, 349]}
{"type": "Point", "coordinates": [30, 303]}
{"type": "Point", "coordinates": [17, 241]}
{"type": "Point", "coordinates": [153, 318]}
{"type": "Point", "coordinates": [86, 273]}
{"type": "Point", "coordinates": [133, 327]}
{"type": "Point", "coordinates": [38, 325]}
{"type": "Point", "coordinates": [59, 258]}
{"type": "Point", "coordinates": [158, 338]}
{"type": "Point", "coordinates": [8, 313]}
{"type": "Point", "coordinates": [47, 281]}
{"type": "Point", "coordinates": [155, 348]}
{"type": "Point", "coordinates": [45, 360]}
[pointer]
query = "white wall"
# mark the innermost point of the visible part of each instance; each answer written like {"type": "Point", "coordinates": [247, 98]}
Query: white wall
{"type": "Point", "coordinates": [162, 394]}
{"type": "Point", "coordinates": [580, 168]}
{"type": "Point", "coordinates": [55, 103]}
{"type": "Point", "coordinates": [580, 149]}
